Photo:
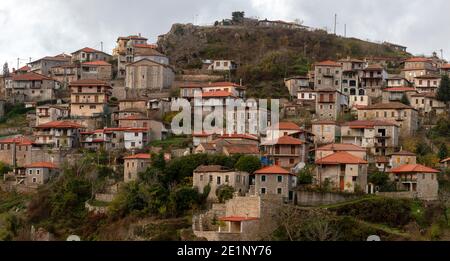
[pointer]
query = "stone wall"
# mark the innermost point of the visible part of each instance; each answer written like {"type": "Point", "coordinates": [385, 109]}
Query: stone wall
{"type": "Point", "coordinates": [398, 195]}
{"type": "Point", "coordinates": [307, 198]}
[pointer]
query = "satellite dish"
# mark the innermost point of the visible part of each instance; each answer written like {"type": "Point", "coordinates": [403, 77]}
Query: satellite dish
{"type": "Point", "coordinates": [374, 238]}
{"type": "Point", "coordinates": [73, 238]}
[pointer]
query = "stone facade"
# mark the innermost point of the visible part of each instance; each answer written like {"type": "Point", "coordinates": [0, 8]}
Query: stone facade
{"type": "Point", "coordinates": [148, 74]}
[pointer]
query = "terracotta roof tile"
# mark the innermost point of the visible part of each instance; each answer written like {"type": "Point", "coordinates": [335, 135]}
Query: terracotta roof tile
{"type": "Point", "coordinates": [414, 168]}
{"type": "Point", "coordinates": [47, 165]}
{"type": "Point", "coordinates": [217, 94]}
{"type": "Point", "coordinates": [88, 82]}
{"type": "Point", "coordinates": [19, 140]}
{"type": "Point", "coordinates": [239, 136]}
{"type": "Point", "coordinates": [328, 63]}
{"type": "Point", "coordinates": [341, 158]}
{"type": "Point", "coordinates": [418, 59]}
{"type": "Point", "coordinates": [285, 140]}
{"type": "Point", "coordinates": [404, 153]}
{"type": "Point", "coordinates": [96, 63]}
{"type": "Point", "coordinates": [238, 219]}
{"type": "Point", "coordinates": [30, 76]}
{"type": "Point", "coordinates": [60, 125]}
{"type": "Point", "coordinates": [142, 156]}
{"type": "Point", "coordinates": [211, 168]}
{"type": "Point", "coordinates": [87, 50]}
{"type": "Point", "coordinates": [341, 147]}
{"type": "Point", "coordinates": [272, 170]}
{"type": "Point", "coordinates": [287, 126]}
{"type": "Point", "coordinates": [242, 149]}
{"type": "Point", "coordinates": [390, 105]}
{"type": "Point", "coordinates": [367, 124]}
{"type": "Point", "coordinates": [400, 89]}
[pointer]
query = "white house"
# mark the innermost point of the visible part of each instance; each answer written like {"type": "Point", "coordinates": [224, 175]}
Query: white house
{"type": "Point", "coordinates": [136, 138]}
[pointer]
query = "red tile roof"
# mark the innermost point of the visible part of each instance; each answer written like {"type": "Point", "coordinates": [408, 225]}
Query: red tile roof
{"type": "Point", "coordinates": [25, 68]}
{"type": "Point", "coordinates": [390, 105]}
{"type": "Point", "coordinates": [30, 76]}
{"type": "Point", "coordinates": [151, 46]}
{"type": "Point", "coordinates": [415, 168]}
{"type": "Point", "coordinates": [133, 118]}
{"type": "Point", "coordinates": [404, 153]}
{"type": "Point", "coordinates": [287, 126]}
{"type": "Point", "coordinates": [60, 125]}
{"type": "Point", "coordinates": [328, 63]}
{"type": "Point", "coordinates": [340, 158]}
{"type": "Point", "coordinates": [445, 66]}
{"type": "Point", "coordinates": [96, 63]}
{"type": "Point", "coordinates": [445, 160]}
{"type": "Point", "coordinates": [341, 147]}
{"type": "Point", "coordinates": [203, 134]}
{"type": "Point", "coordinates": [400, 89]}
{"type": "Point", "coordinates": [87, 50]}
{"type": "Point", "coordinates": [272, 170]}
{"type": "Point", "coordinates": [89, 82]}
{"type": "Point", "coordinates": [285, 140]}
{"type": "Point", "coordinates": [45, 165]}
{"type": "Point", "coordinates": [238, 219]}
{"type": "Point", "coordinates": [217, 94]}
{"type": "Point", "coordinates": [325, 122]}
{"type": "Point", "coordinates": [19, 140]}
{"type": "Point", "coordinates": [139, 156]}
{"type": "Point", "coordinates": [418, 59]}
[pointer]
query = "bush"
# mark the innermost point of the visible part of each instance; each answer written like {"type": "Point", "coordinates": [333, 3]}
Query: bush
{"type": "Point", "coordinates": [305, 176]}
{"type": "Point", "coordinates": [248, 164]}
{"type": "Point", "coordinates": [224, 193]}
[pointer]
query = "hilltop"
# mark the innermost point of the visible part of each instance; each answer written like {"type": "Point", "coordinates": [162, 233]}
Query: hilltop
{"type": "Point", "coordinates": [265, 55]}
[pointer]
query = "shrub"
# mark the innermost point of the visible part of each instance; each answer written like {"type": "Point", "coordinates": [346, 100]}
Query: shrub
{"type": "Point", "coordinates": [224, 193]}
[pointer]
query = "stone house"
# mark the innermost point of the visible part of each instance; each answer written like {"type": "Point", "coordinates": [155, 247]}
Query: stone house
{"type": "Point", "coordinates": [426, 103]}
{"type": "Point", "coordinates": [187, 91]}
{"type": "Point", "coordinates": [216, 176]}
{"type": "Point", "coordinates": [49, 113]}
{"type": "Point", "coordinates": [327, 75]}
{"type": "Point", "coordinates": [135, 164]}
{"type": "Point", "coordinates": [405, 116]}
{"type": "Point", "coordinates": [39, 173]}
{"type": "Point", "coordinates": [306, 97]}
{"type": "Point", "coordinates": [402, 157]}
{"type": "Point", "coordinates": [150, 75]}
{"type": "Point", "coordinates": [124, 53]}
{"type": "Point", "coordinates": [445, 69]}
{"type": "Point", "coordinates": [397, 81]}
{"type": "Point", "coordinates": [58, 134]}
{"type": "Point", "coordinates": [326, 131]}
{"type": "Point", "coordinates": [296, 83]}
{"type": "Point", "coordinates": [30, 87]}
{"type": "Point", "coordinates": [418, 66]}
{"type": "Point", "coordinates": [16, 150]}
{"type": "Point", "coordinates": [373, 80]}
{"type": "Point", "coordinates": [43, 66]}
{"type": "Point", "coordinates": [89, 98]}
{"type": "Point", "coordinates": [222, 66]}
{"type": "Point", "coordinates": [417, 179]}
{"type": "Point", "coordinates": [274, 180]}
{"type": "Point", "coordinates": [89, 55]}
{"type": "Point", "coordinates": [285, 152]}
{"type": "Point", "coordinates": [427, 83]}
{"type": "Point", "coordinates": [65, 73]}
{"type": "Point", "coordinates": [136, 138]}
{"type": "Point", "coordinates": [379, 137]}
{"type": "Point", "coordinates": [343, 170]}
{"type": "Point", "coordinates": [352, 70]}
{"type": "Point", "coordinates": [395, 94]}
{"type": "Point", "coordinates": [330, 104]}
{"type": "Point", "coordinates": [96, 70]}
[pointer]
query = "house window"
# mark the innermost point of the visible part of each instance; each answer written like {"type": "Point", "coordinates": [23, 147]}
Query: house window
{"type": "Point", "coordinates": [201, 177]}
{"type": "Point", "coordinates": [133, 144]}
{"type": "Point", "coordinates": [34, 180]}
{"type": "Point", "coordinates": [423, 176]}
{"type": "Point", "coordinates": [263, 178]}
{"type": "Point", "coordinates": [38, 172]}
{"type": "Point", "coordinates": [227, 178]}
{"type": "Point", "coordinates": [263, 191]}
{"type": "Point", "coordinates": [30, 172]}
{"type": "Point", "coordinates": [291, 161]}
{"type": "Point", "coordinates": [218, 181]}
{"type": "Point", "coordinates": [280, 179]}
{"type": "Point", "coordinates": [136, 134]}
{"type": "Point", "coordinates": [279, 191]}
{"type": "Point", "coordinates": [210, 178]}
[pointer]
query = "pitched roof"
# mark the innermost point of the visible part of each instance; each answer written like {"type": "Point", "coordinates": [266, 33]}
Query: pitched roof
{"type": "Point", "coordinates": [425, 94]}
{"type": "Point", "coordinates": [390, 105]}
{"type": "Point", "coordinates": [208, 146]}
{"type": "Point", "coordinates": [325, 122]}
{"type": "Point", "coordinates": [418, 59]}
{"type": "Point", "coordinates": [217, 94]}
{"type": "Point", "coordinates": [152, 46]}
{"type": "Point", "coordinates": [367, 124]}
{"type": "Point", "coordinates": [25, 68]}
{"type": "Point", "coordinates": [30, 76]}
{"type": "Point", "coordinates": [96, 63]}
{"type": "Point", "coordinates": [60, 125]}
{"type": "Point", "coordinates": [272, 170]}
{"type": "Point", "coordinates": [242, 149]}
{"type": "Point", "coordinates": [341, 147]}
{"type": "Point", "coordinates": [328, 63]}
{"type": "Point", "coordinates": [19, 140]}
{"type": "Point", "coordinates": [238, 136]}
{"type": "Point", "coordinates": [286, 126]}
{"type": "Point", "coordinates": [341, 157]}
{"type": "Point", "coordinates": [132, 37]}
{"type": "Point", "coordinates": [417, 168]}
{"type": "Point", "coordinates": [87, 50]}
{"type": "Point", "coordinates": [211, 168]}
{"type": "Point", "coordinates": [445, 160]}
{"type": "Point", "coordinates": [46, 165]}
{"type": "Point", "coordinates": [374, 67]}
{"type": "Point", "coordinates": [142, 156]}
{"type": "Point", "coordinates": [285, 140]}
{"type": "Point", "coordinates": [381, 159]}
{"type": "Point", "coordinates": [428, 76]}
{"type": "Point", "coordinates": [445, 66]}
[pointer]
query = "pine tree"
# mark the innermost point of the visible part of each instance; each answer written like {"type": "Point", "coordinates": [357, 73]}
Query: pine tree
{"type": "Point", "coordinates": [405, 100]}
{"type": "Point", "coordinates": [6, 70]}
{"type": "Point", "coordinates": [443, 152]}
{"type": "Point", "coordinates": [443, 93]}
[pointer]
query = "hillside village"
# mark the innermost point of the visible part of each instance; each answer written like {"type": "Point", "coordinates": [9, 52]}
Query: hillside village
{"type": "Point", "coordinates": [86, 145]}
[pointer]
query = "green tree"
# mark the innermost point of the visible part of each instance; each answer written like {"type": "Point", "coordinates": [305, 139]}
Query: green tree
{"type": "Point", "coordinates": [248, 164]}
{"type": "Point", "coordinates": [237, 16]}
{"type": "Point", "coordinates": [443, 93]}
{"type": "Point", "coordinates": [379, 179]}
{"type": "Point", "coordinates": [443, 151]}
{"type": "Point", "coordinates": [224, 193]}
{"type": "Point", "coordinates": [405, 100]}
{"type": "Point", "coordinates": [305, 176]}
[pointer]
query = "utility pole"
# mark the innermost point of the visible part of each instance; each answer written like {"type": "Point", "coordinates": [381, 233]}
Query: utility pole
{"type": "Point", "coordinates": [18, 61]}
{"type": "Point", "coordinates": [101, 44]}
{"type": "Point", "coordinates": [335, 23]}
{"type": "Point", "coordinates": [345, 30]}
{"type": "Point", "coordinates": [442, 54]}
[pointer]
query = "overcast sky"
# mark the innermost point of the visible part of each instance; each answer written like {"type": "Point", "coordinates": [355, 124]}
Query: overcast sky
{"type": "Point", "coordinates": [36, 28]}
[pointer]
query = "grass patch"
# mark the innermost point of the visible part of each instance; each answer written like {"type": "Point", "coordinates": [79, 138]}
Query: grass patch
{"type": "Point", "coordinates": [172, 143]}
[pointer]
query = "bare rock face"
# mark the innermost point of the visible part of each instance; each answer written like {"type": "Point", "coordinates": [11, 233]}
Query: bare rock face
{"type": "Point", "coordinates": [41, 235]}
